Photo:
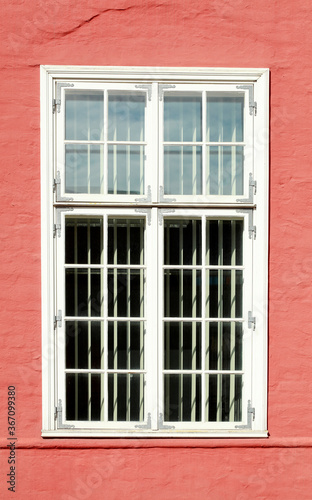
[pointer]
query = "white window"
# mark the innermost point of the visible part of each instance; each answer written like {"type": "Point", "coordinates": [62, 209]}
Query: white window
{"type": "Point", "coordinates": [154, 251]}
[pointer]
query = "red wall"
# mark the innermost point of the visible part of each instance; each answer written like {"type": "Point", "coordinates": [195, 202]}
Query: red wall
{"type": "Point", "coordinates": [212, 33]}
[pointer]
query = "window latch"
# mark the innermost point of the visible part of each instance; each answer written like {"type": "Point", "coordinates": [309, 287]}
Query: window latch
{"type": "Point", "coordinates": [251, 413]}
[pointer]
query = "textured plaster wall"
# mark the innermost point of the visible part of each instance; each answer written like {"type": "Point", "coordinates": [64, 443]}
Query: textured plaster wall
{"type": "Point", "coordinates": [214, 33]}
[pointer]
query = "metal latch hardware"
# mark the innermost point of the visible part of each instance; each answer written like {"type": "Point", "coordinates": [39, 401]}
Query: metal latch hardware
{"type": "Point", "coordinates": [162, 87]}
{"type": "Point", "coordinates": [252, 103]}
{"type": "Point", "coordinates": [252, 191]}
{"type": "Point", "coordinates": [58, 416]}
{"type": "Point", "coordinates": [56, 103]}
{"type": "Point", "coordinates": [148, 87]}
{"type": "Point", "coordinates": [58, 319]}
{"type": "Point", "coordinates": [251, 321]}
{"type": "Point", "coordinates": [161, 423]}
{"type": "Point", "coordinates": [251, 413]}
{"type": "Point", "coordinates": [148, 425]}
{"type": "Point", "coordinates": [57, 188]}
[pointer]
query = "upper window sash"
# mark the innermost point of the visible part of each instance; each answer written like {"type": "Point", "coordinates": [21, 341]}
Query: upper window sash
{"type": "Point", "coordinates": [110, 149]}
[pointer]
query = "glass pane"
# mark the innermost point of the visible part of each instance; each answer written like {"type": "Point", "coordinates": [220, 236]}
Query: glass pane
{"type": "Point", "coordinates": [125, 397]}
{"type": "Point", "coordinates": [224, 346]}
{"type": "Point", "coordinates": [84, 115]}
{"type": "Point", "coordinates": [125, 345]}
{"type": "Point", "coordinates": [224, 242]}
{"type": "Point", "coordinates": [125, 292]}
{"type": "Point", "coordinates": [182, 118]}
{"type": "Point", "coordinates": [224, 398]}
{"type": "Point", "coordinates": [182, 398]}
{"type": "Point", "coordinates": [83, 292]}
{"type": "Point", "coordinates": [126, 117]}
{"type": "Point", "coordinates": [84, 344]}
{"type": "Point", "coordinates": [84, 396]}
{"type": "Point", "coordinates": [126, 241]}
{"type": "Point", "coordinates": [182, 245]}
{"type": "Point", "coordinates": [224, 294]}
{"type": "Point", "coordinates": [225, 170]}
{"type": "Point", "coordinates": [225, 119]}
{"type": "Point", "coordinates": [126, 169]}
{"type": "Point", "coordinates": [182, 346]}
{"type": "Point", "coordinates": [183, 170]}
{"type": "Point", "coordinates": [83, 241]}
{"type": "Point", "coordinates": [83, 168]}
{"type": "Point", "coordinates": [182, 293]}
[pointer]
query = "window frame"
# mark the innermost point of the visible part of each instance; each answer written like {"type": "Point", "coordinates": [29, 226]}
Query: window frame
{"type": "Point", "coordinates": [254, 212]}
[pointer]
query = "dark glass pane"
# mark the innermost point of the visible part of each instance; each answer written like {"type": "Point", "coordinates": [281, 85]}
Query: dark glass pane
{"type": "Point", "coordinates": [126, 241]}
{"type": "Point", "coordinates": [83, 292]}
{"type": "Point", "coordinates": [125, 292]}
{"type": "Point", "coordinates": [83, 344]}
{"type": "Point", "coordinates": [224, 398]}
{"type": "Point", "coordinates": [224, 245]}
{"type": "Point", "coordinates": [182, 293]}
{"type": "Point", "coordinates": [182, 398]}
{"type": "Point", "coordinates": [125, 345]}
{"type": "Point", "coordinates": [182, 243]}
{"type": "Point", "coordinates": [83, 241]}
{"type": "Point", "coordinates": [224, 346]}
{"type": "Point", "coordinates": [125, 397]}
{"type": "Point", "coordinates": [83, 396]}
{"type": "Point", "coordinates": [224, 300]}
{"type": "Point", "coordinates": [182, 346]}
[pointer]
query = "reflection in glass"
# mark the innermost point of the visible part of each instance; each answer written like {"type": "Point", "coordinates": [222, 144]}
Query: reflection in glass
{"type": "Point", "coordinates": [125, 169]}
{"type": "Point", "coordinates": [224, 398]}
{"type": "Point", "coordinates": [84, 396]}
{"type": "Point", "coordinates": [83, 168]}
{"type": "Point", "coordinates": [84, 114]}
{"type": "Point", "coordinates": [125, 397]}
{"type": "Point", "coordinates": [182, 293]}
{"type": "Point", "coordinates": [126, 117]}
{"type": "Point", "coordinates": [182, 118]}
{"type": "Point", "coordinates": [182, 244]}
{"type": "Point", "coordinates": [182, 397]}
{"type": "Point", "coordinates": [225, 170]}
{"type": "Point", "coordinates": [183, 169]}
{"type": "Point", "coordinates": [225, 119]}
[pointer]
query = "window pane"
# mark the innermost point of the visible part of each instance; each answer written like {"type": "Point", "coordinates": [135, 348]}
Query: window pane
{"type": "Point", "coordinates": [224, 294]}
{"type": "Point", "coordinates": [125, 397]}
{"type": "Point", "coordinates": [126, 169]}
{"type": "Point", "coordinates": [83, 168]}
{"type": "Point", "coordinates": [182, 346]}
{"type": "Point", "coordinates": [84, 344]}
{"type": "Point", "coordinates": [83, 241]}
{"type": "Point", "coordinates": [182, 242]}
{"type": "Point", "coordinates": [125, 292]}
{"type": "Point", "coordinates": [126, 117]}
{"type": "Point", "coordinates": [126, 241]}
{"type": "Point", "coordinates": [225, 119]}
{"type": "Point", "coordinates": [224, 398]}
{"type": "Point", "coordinates": [182, 118]}
{"type": "Point", "coordinates": [183, 170]}
{"type": "Point", "coordinates": [83, 115]}
{"type": "Point", "coordinates": [225, 170]}
{"type": "Point", "coordinates": [182, 293]}
{"type": "Point", "coordinates": [224, 346]}
{"type": "Point", "coordinates": [125, 345]}
{"type": "Point", "coordinates": [224, 242]}
{"type": "Point", "coordinates": [182, 398]}
{"type": "Point", "coordinates": [83, 292]}
{"type": "Point", "coordinates": [84, 396]}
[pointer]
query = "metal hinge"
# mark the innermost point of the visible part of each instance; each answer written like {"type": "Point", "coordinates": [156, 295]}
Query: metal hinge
{"type": "Point", "coordinates": [58, 416]}
{"type": "Point", "coordinates": [146, 211]}
{"type": "Point", "coordinates": [148, 425]}
{"type": "Point", "coordinates": [161, 213]}
{"type": "Point", "coordinates": [148, 87]}
{"type": "Point", "coordinates": [57, 188]}
{"type": "Point", "coordinates": [252, 191]}
{"type": "Point", "coordinates": [161, 196]}
{"type": "Point", "coordinates": [148, 197]}
{"type": "Point", "coordinates": [56, 103]}
{"type": "Point", "coordinates": [252, 102]}
{"type": "Point", "coordinates": [251, 321]}
{"type": "Point", "coordinates": [162, 87]}
{"type": "Point", "coordinates": [251, 228]}
{"type": "Point", "coordinates": [57, 227]}
{"type": "Point", "coordinates": [58, 319]}
{"type": "Point", "coordinates": [161, 423]}
{"type": "Point", "coordinates": [251, 413]}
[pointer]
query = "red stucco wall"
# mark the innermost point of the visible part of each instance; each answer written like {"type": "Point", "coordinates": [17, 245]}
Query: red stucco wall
{"type": "Point", "coordinates": [215, 33]}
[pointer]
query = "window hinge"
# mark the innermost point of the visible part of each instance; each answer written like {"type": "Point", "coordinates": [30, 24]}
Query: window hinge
{"type": "Point", "coordinates": [57, 227]}
{"type": "Point", "coordinates": [57, 188]}
{"type": "Point", "coordinates": [148, 87]}
{"type": "Point", "coordinates": [251, 228]}
{"type": "Point", "coordinates": [162, 87]}
{"type": "Point", "coordinates": [145, 211]}
{"type": "Point", "coordinates": [252, 102]}
{"type": "Point", "coordinates": [161, 214]}
{"type": "Point", "coordinates": [251, 413]}
{"type": "Point", "coordinates": [56, 103]}
{"type": "Point", "coordinates": [161, 196]}
{"type": "Point", "coordinates": [252, 191]}
{"type": "Point", "coordinates": [58, 319]}
{"type": "Point", "coordinates": [58, 411]}
{"type": "Point", "coordinates": [148, 197]}
{"type": "Point", "coordinates": [251, 321]}
{"type": "Point", "coordinates": [148, 425]}
{"type": "Point", "coordinates": [161, 423]}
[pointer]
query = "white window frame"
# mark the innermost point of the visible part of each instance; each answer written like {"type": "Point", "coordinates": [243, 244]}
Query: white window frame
{"type": "Point", "coordinates": [254, 211]}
